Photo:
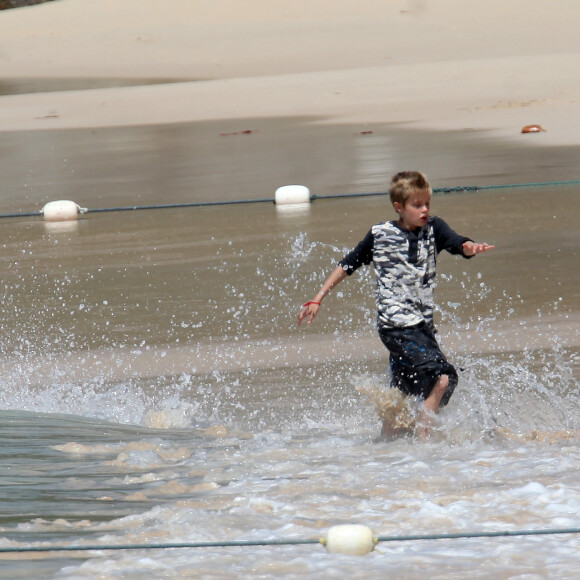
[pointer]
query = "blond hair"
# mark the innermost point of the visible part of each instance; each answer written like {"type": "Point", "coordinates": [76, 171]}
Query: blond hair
{"type": "Point", "coordinates": [405, 184]}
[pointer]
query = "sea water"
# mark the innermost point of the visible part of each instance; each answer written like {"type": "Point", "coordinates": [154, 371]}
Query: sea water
{"type": "Point", "coordinates": [156, 389]}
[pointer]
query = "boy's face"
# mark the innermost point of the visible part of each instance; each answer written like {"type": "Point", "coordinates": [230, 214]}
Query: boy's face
{"type": "Point", "coordinates": [415, 213]}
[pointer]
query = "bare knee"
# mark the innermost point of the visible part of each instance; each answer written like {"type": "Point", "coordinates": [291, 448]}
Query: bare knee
{"type": "Point", "coordinates": [441, 384]}
{"type": "Point", "coordinates": [433, 401]}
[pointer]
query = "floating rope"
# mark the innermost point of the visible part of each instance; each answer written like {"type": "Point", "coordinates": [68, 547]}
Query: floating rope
{"type": "Point", "coordinates": [176, 205]}
{"type": "Point", "coordinates": [437, 190]}
{"type": "Point", "coordinates": [456, 189]}
{"type": "Point", "coordinates": [250, 543]}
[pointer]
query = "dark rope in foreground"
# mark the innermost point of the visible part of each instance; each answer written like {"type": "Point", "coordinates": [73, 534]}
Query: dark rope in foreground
{"type": "Point", "coordinates": [249, 543]}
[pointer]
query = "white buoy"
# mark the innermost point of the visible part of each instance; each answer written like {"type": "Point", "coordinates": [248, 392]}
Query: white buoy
{"type": "Point", "coordinates": [292, 194]}
{"type": "Point", "coordinates": [61, 210]}
{"type": "Point", "coordinates": [352, 539]}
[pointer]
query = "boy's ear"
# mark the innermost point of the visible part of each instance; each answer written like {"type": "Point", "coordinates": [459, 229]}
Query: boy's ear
{"type": "Point", "coordinates": [398, 207]}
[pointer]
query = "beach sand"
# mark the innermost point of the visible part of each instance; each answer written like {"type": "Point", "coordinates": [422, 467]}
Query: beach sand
{"type": "Point", "coordinates": [439, 64]}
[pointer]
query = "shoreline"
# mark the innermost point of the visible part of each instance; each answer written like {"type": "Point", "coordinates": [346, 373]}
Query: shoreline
{"type": "Point", "coordinates": [350, 64]}
{"type": "Point", "coordinates": [352, 97]}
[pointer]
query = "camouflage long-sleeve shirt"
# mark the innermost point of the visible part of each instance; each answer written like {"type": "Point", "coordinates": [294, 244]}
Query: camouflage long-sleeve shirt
{"type": "Point", "coordinates": [404, 263]}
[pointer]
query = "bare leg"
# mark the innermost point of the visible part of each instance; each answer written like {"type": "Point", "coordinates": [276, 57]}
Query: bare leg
{"type": "Point", "coordinates": [430, 408]}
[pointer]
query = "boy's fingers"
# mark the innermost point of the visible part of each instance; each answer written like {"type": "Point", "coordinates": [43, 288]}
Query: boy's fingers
{"type": "Point", "coordinates": [307, 312]}
{"type": "Point", "coordinates": [303, 314]}
{"type": "Point", "coordinates": [477, 248]}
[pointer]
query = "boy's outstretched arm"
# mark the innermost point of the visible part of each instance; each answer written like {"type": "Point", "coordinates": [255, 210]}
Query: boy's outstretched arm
{"type": "Point", "coordinates": [310, 309]}
{"type": "Point", "coordinates": [471, 248]}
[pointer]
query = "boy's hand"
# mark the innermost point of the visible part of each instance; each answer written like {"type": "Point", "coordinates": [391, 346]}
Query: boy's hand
{"type": "Point", "coordinates": [309, 310]}
{"type": "Point", "coordinates": [471, 248]}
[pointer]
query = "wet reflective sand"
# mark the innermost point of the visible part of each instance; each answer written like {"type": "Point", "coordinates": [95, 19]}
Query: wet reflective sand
{"type": "Point", "coordinates": [250, 158]}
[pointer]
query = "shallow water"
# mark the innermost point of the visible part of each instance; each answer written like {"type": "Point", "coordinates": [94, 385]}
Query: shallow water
{"type": "Point", "coordinates": [156, 388]}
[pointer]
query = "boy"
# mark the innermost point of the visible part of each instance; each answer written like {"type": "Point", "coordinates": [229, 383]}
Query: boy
{"type": "Point", "coordinates": [404, 254]}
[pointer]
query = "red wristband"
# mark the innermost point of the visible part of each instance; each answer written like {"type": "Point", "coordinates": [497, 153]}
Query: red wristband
{"type": "Point", "coordinates": [312, 302]}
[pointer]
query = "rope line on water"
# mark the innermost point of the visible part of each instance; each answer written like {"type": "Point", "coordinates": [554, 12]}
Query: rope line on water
{"type": "Point", "coordinates": [456, 189]}
{"type": "Point", "coordinates": [250, 543]}
{"type": "Point", "coordinates": [177, 205]}
{"type": "Point", "coordinates": [436, 190]}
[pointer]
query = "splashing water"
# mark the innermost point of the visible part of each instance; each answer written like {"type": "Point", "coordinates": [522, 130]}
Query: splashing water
{"type": "Point", "coordinates": [393, 408]}
{"type": "Point", "coordinates": [125, 375]}
{"type": "Point", "coordinates": [205, 414]}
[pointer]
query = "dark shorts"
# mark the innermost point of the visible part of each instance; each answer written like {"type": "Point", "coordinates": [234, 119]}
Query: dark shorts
{"type": "Point", "coordinates": [417, 361]}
